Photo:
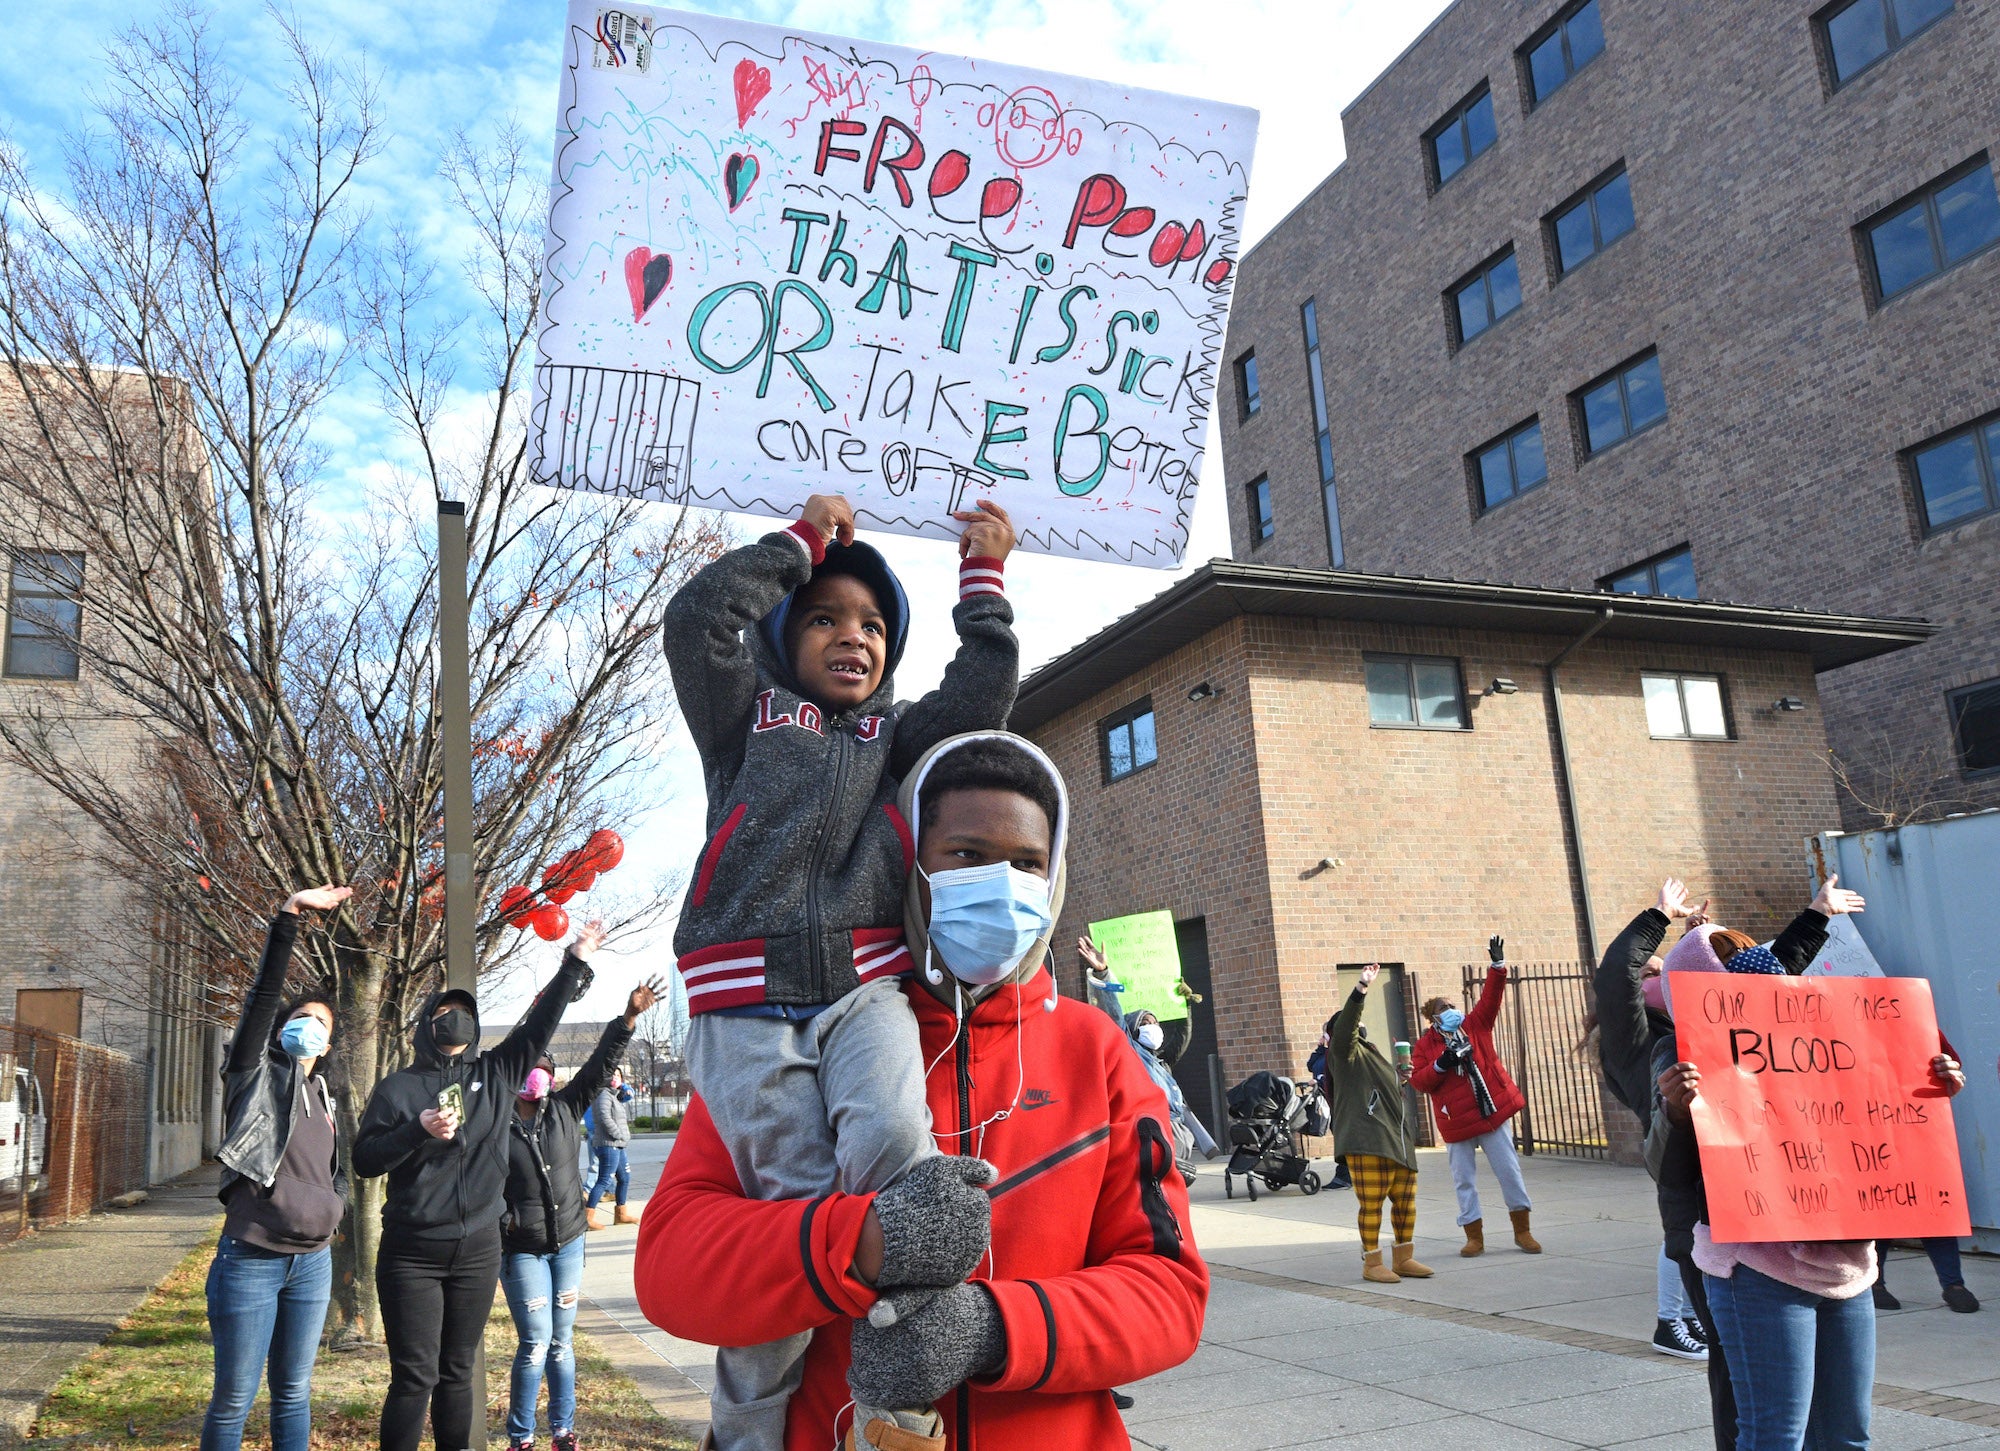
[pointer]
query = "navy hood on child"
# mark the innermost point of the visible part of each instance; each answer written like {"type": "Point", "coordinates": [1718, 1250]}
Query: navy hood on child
{"type": "Point", "coordinates": [865, 563]}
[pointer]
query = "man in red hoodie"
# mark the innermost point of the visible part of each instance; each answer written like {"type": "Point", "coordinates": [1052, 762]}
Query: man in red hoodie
{"type": "Point", "coordinates": [1084, 1274]}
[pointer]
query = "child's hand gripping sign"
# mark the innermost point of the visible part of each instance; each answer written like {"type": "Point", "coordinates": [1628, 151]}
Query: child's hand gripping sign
{"type": "Point", "coordinates": [1818, 1116]}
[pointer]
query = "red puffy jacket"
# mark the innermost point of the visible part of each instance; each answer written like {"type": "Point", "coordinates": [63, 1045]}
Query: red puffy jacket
{"type": "Point", "coordinates": [1094, 1268]}
{"type": "Point", "coordinates": [1453, 1101]}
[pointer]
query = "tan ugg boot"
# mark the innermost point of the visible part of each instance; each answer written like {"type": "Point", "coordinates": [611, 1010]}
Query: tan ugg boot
{"type": "Point", "coordinates": [1526, 1241]}
{"type": "Point", "coordinates": [888, 1436]}
{"type": "Point", "coordinates": [627, 1214]}
{"type": "Point", "coordinates": [1409, 1266]}
{"type": "Point", "coordinates": [1373, 1270]}
{"type": "Point", "coordinates": [1475, 1240]}
{"type": "Point", "coordinates": [596, 1219]}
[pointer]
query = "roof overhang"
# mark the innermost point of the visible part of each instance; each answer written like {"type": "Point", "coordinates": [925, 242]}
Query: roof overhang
{"type": "Point", "coordinates": [1223, 589]}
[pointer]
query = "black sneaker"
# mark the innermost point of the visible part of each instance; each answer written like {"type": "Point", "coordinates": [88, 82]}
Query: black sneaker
{"type": "Point", "coordinates": [1884, 1300]}
{"type": "Point", "coordinates": [1695, 1331]}
{"type": "Point", "coordinates": [1122, 1401]}
{"type": "Point", "coordinates": [1671, 1338]}
{"type": "Point", "coordinates": [1961, 1299]}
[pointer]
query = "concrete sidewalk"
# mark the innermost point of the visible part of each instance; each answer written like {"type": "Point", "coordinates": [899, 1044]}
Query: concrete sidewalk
{"type": "Point", "coordinates": [63, 1290]}
{"type": "Point", "coordinates": [1505, 1351]}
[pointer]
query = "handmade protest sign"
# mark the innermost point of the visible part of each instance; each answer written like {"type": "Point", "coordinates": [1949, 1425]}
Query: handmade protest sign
{"type": "Point", "coordinates": [1142, 953]}
{"type": "Point", "coordinates": [1817, 1116]}
{"type": "Point", "coordinates": [781, 264]}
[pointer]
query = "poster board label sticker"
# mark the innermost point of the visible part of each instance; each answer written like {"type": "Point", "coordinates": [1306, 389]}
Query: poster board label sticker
{"type": "Point", "coordinates": [782, 263]}
{"type": "Point", "coordinates": [1817, 1116]}
{"type": "Point", "coordinates": [1143, 953]}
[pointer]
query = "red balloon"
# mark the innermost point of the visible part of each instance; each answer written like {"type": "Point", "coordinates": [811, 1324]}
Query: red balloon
{"type": "Point", "coordinates": [550, 922]}
{"type": "Point", "coordinates": [583, 878]}
{"type": "Point", "coordinates": [605, 849]}
{"type": "Point", "coordinates": [516, 906]}
{"type": "Point", "coordinates": [559, 878]}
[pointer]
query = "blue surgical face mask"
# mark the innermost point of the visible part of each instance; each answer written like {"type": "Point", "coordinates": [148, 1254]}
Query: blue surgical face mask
{"type": "Point", "coordinates": [985, 920]}
{"type": "Point", "coordinates": [1451, 1020]}
{"type": "Point", "coordinates": [305, 1037]}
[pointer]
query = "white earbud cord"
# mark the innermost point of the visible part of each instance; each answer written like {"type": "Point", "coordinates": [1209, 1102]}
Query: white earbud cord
{"type": "Point", "coordinates": [1020, 1083]}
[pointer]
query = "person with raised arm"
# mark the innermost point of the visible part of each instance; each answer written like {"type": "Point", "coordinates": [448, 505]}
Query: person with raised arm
{"type": "Point", "coordinates": [439, 1129]}
{"type": "Point", "coordinates": [1371, 1126]}
{"type": "Point", "coordinates": [283, 1193]}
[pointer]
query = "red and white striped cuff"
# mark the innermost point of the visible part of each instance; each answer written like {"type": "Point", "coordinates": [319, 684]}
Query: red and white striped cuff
{"type": "Point", "coordinates": [980, 575]}
{"type": "Point", "coordinates": [810, 539]}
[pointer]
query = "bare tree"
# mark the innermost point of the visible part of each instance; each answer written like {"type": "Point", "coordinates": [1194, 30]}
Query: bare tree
{"type": "Point", "coordinates": [175, 328]}
{"type": "Point", "coordinates": [1892, 782]}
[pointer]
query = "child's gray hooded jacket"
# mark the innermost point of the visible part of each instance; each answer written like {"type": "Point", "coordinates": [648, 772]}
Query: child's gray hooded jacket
{"type": "Point", "coordinates": [798, 897]}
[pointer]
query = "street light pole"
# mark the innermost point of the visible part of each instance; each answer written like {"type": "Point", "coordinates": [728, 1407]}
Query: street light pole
{"type": "Point", "coordinates": [455, 746]}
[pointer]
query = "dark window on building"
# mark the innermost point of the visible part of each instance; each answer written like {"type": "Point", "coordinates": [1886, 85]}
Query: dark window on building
{"type": "Point", "coordinates": [1128, 741]}
{"type": "Point", "coordinates": [44, 617]}
{"type": "Point", "coordinates": [1860, 32]}
{"type": "Point", "coordinates": [1670, 574]}
{"type": "Point", "coordinates": [1942, 225]}
{"type": "Point", "coordinates": [1262, 526]}
{"type": "Point", "coordinates": [1336, 551]}
{"type": "Point", "coordinates": [1958, 475]}
{"type": "Point", "coordinates": [1592, 220]}
{"type": "Point", "coordinates": [1623, 403]}
{"type": "Point", "coordinates": [1564, 48]}
{"type": "Point", "coordinates": [1415, 690]}
{"type": "Point", "coordinates": [1685, 707]}
{"type": "Point", "coordinates": [1975, 721]}
{"type": "Point", "coordinates": [1462, 135]}
{"type": "Point", "coordinates": [1485, 297]}
{"type": "Point", "coordinates": [1246, 381]}
{"type": "Point", "coordinates": [1510, 465]}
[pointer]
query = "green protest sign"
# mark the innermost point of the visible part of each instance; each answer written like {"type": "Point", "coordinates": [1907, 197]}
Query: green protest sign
{"type": "Point", "coordinates": [1142, 954]}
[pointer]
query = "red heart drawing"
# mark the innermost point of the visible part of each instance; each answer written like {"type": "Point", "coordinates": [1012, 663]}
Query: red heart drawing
{"type": "Point", "coordinates": [646, 277]}
{"type": "Point", "coordinates": [753, 83]}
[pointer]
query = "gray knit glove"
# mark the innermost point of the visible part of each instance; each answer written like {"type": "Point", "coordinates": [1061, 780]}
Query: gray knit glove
{"type": "Point", "coordinates": [940, 1342]}
{"type": "Point", "coordinates": [937, 1222]}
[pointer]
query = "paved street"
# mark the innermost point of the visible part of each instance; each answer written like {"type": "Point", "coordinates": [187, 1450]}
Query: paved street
{"type": "Point", "coordinates": [1507, 1351]}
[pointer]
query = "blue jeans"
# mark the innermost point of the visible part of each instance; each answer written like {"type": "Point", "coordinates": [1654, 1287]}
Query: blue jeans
{"type": "Point", "coordinates": [610, 1163]}
{"type": "Point", "coordinates": [1796, 1360]}
{"type": "Point", "coordinates": [541, 1293]}
{"type": "Point", "coordinates": [264, 1308]}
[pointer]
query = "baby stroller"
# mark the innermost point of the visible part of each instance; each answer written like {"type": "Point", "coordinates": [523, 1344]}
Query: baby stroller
{"type": "Point", "coordinates": [1266, 1114]}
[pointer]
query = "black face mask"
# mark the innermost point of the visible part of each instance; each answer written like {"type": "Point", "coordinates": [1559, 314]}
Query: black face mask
{"type": "Point", "coordinates": [455, 1028]}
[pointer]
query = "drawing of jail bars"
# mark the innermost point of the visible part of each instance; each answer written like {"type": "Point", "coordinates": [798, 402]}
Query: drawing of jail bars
{"type": "Point", "coordinates": [614, 431]}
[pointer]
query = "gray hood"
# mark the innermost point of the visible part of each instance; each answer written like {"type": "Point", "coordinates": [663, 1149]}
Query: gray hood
{"type": "Point", "coordinates": [916, 928]}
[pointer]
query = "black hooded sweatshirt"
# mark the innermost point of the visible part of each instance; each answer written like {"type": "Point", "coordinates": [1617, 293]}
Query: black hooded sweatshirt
{"type": "Point", "coordinates": [451, 1188]}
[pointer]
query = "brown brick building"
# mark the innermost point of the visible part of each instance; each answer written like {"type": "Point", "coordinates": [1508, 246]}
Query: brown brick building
{"type": "Point", "coordinates": [1311, 769]}
{"type": "Point", "coordinates": [1699, 298]}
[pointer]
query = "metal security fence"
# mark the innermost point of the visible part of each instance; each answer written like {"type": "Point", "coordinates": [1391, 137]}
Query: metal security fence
{"type": "Point", "coordinates": [1541, 1019]}
{"type": "Point", "coordinates": [72, 1127]}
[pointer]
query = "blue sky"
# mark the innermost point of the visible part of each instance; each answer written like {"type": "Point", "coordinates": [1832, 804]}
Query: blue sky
{"type": "Point", "coordinates": [479, 63]}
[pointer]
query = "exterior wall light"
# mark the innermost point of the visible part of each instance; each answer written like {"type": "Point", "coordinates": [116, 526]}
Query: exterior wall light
{"type": "Point", "coordinates": [1502, 686]}
{"type": "Point", "coordinates": [1788, 702]}
{"type": "Point", "coordinates": [1203, 691]}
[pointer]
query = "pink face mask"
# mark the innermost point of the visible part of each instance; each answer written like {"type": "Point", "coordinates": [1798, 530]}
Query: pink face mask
{"type": "Point", "coordinates": [537, 1085]}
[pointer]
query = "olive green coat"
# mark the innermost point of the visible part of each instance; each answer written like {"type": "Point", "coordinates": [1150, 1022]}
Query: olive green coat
{"type": "Point", "coordinates": [1370, 1113]}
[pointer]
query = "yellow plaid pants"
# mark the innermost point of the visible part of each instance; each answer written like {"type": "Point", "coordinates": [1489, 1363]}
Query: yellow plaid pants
{"type": "Point", "coordinates": [1376, 1179]}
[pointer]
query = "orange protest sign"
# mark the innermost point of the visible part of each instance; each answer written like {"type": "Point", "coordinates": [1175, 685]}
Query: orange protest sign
{"type": "Point", "coordinates": [1817, 1116]}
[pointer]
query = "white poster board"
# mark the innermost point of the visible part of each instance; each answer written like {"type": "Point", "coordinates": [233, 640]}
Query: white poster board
{"type": "Point", "coordinates": [781, 264]}
{"type": "Point", "coordinates": [1845, 954]}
